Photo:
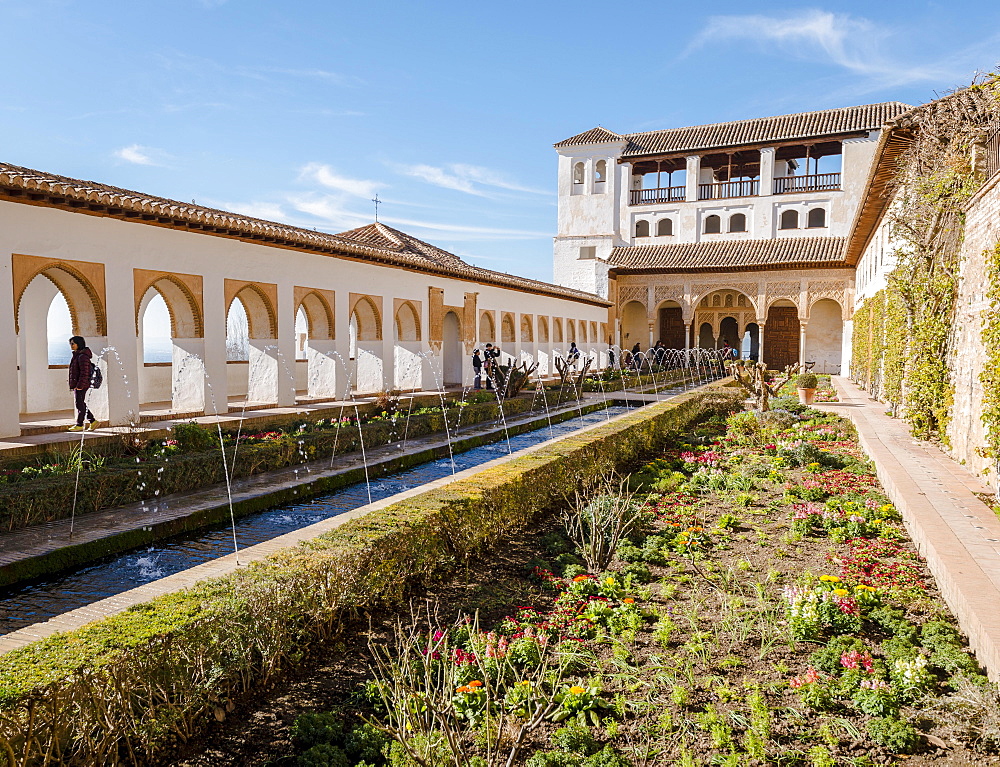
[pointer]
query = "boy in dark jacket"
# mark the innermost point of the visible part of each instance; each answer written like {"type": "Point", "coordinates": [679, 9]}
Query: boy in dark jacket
{"type": "Point", "coordinates": [79, 381]}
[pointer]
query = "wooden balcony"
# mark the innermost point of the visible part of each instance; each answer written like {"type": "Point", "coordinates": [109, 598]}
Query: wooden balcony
{"type": "Point", "coordinates": [654, 196]}
{"type": "Point", "coordinates": [723, 189]}
{"type": "Point", "coordinates": [821, 182]}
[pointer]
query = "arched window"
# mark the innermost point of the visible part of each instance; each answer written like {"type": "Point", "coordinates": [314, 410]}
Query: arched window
{"type": "Point", "coordinates": [578, 172]}
{"type": "Point", "coordinates": [713, 225]}
{"type": "Point", "coordinates": [601, 171]}
{"type": "Point", "coordinates": [817, 218]}
{"type": "Point", "coordinates": [789, 220]}
{"type": "Point", "coordinates": [664, 227]}
{"type": "Point", "coordinates": [642, 228]}
{"type": "Point", "coordinates": [737, 223]}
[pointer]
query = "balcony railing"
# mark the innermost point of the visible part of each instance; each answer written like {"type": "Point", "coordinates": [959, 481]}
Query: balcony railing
{"type": "Point", "coordinates": [723, 189]}
{"type": "Point", "coordinates": [819, 182]}
{"type": "Point", "coordinates": [653, 196]}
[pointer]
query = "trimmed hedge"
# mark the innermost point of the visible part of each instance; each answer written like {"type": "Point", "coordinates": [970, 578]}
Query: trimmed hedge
{"type": "Point", "coordinates": [50, 498]}
{"type": "Point", "coordinates": [120, 690]}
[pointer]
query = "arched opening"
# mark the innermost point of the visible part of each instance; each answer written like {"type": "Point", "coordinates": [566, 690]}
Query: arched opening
{"type": "Point", "coordinates": [751, 342]}
{"type": "Point", "coordinates": [451, 350]}
{"type": "Point", "coordinates": [237, 332]}
{"type": "Point", "coordinates": [789, 220]}
{"type": "Point", "coordinates": [366, 347]}
{"type": "Point", "coordinates": [729, 330]}
{"type": "Point", "coordinates": [738, 222]}
{"type": "Point", "coordinates": [600, 171]}
{"type": "Point", "coordinates": [642, 228]}
{"type": "Point", "coordinates": [825, 336]}
{"type": "Point", "coordinates": [706, 336]}
{"type": "Point", "coordinates": [570, 331]}
{"type": "Point", "coordinates": [301, 334]}
{"type": "Point", "coordinates": [634, 325]}
{"type": "Point", "coordinates": [155, 348]}
{"type": "Point", "coordinates": [487, 330]}
{"type": "Point", "coordinates": [578, 173]}
{"type": "Point", "coordinates": [671, 325]}
{"type": "Point", "coordinates": [543, 330]}
{"type": "Point", "coordinates": [557, 330]}
{"type": "Point", "coordinates": [407, 323]}
{"type": "Point", "coordinates": [816, 218]}
{"type": "Point", "coordinates": [507, 329]}
{"type": "Point", "coordinates": [781, 344]}
{"type": "Point", "coordinates": [527, 336]}
{"type": "Point", "coordinates": [55, 304]}
{"type": "Point", "coordinates": [664, 227]}
{"type": "Point", "coordinates": [713, 224]}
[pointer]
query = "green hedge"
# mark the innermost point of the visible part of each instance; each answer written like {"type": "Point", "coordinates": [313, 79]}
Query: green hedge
{"type": "Point", "coordinates": [120, 690]}
{"type": "Point", "coordinates": [50, 498]}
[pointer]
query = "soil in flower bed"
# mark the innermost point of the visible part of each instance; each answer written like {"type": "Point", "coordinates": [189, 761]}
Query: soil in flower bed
{"type": "Point", "coordinates": [766, 608]}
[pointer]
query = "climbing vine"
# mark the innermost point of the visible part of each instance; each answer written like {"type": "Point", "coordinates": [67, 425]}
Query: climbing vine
{"type": "Point", "coordinates": [990, 376]}
{"type": "Point", "coordinates": [907, 329]}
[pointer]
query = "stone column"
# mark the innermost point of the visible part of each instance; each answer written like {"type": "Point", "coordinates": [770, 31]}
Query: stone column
{"type": "Point", "coordinates": [214, 346]}
{"type": "Point", "coordinates": [10, 405]}
{"type": "Point", "coordinates": [760, 341]}
{"type": "Point", "coordinates": [692, 177]}
{"type": "Point", "coordinates": [284, 345]}
{"type": "Point", "coordinates": [766, 171]}
{"type": "Point", "coordinates": [802, 341]}
{"type": "Point", "coordinates": [687, 335]}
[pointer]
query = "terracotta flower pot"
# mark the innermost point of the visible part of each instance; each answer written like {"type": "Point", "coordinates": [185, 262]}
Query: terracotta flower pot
{"type": "Point", "coordinates": [806, 396]}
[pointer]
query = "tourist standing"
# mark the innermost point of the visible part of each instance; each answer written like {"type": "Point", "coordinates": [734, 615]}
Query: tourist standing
{"type": "Point", "coordinates": [574, 354]}
{"type": "Point", "coordinates": [79, 382]}
{"type": "Point", "coordinates": [489, 362]}
{"type": "Point", "coordinates": [477, 368]}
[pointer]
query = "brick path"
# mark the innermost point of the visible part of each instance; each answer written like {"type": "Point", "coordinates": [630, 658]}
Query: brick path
{"type": "Point", "coordinates": [955, 530]}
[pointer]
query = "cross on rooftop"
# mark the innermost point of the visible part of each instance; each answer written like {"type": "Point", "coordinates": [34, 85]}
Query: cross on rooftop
{"type": "Point", "coordinates": [377, 202]}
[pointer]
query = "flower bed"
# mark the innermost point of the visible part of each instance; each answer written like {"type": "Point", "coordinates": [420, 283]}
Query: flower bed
{"type": "Point", "coordinates": [118, 691]}
{"type": "Point", "coordinates": [770, 610]}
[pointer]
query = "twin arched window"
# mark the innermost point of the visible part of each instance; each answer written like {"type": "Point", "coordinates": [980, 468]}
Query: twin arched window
{"type": "Point", "coordinates": [664, 227]}
{"type": "Point", "coordinates": [642, 228]}
{"type": "Point", "coordinates": [738, 222]}
{"type": "Point", "coordinates": [789, 220]}
{"type": "Point", "coordinates": [816, 218]}
{"type": "Point", "coordinates": [713, 224]}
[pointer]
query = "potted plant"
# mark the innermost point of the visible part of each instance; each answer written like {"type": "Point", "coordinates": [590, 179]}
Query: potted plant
{"type": "Point", "coordinates": [806, 384]}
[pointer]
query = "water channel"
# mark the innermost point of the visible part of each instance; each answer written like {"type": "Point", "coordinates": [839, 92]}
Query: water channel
{"type": "Point", "coordinates": [38, 601]}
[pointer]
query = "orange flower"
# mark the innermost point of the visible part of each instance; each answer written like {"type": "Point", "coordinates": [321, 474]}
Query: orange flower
{"type": "Point", "coordinates": [580, 578]}
{"type": "Point", "coordinates": [629, 600]}
{"type": "Point", "coordinates": [577, 690]}
{"type": "Point", "coordinates": [463, 688]}
{"type": "Point", "coordinates": [475, 683]}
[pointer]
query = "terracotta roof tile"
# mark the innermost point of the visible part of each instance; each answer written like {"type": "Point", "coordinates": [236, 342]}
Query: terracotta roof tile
{"type": "Point", "coordinates": [596, 135]}
{"type": "Point", "coordinates": [759, 130]}
{"type": "Point", "coordinates": [798, 252]}
{"type": "Point", "coordinates": [376, 243]}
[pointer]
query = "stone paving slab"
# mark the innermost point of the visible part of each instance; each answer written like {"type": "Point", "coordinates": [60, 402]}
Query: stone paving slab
{"type": "Point", "coordinates": [953, 529]}
{"type": "Point", "coordinates": [222, 565]}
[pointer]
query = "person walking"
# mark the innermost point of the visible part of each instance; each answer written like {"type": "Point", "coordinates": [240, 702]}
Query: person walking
{"type": "Point", "coordinates": [574, 354]}
{"type": "Point", "coordinates": [79, 382]}
{"type": "Point", "coordinates": [477, 368]}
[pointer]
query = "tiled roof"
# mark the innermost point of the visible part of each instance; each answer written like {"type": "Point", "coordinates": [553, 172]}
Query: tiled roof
{"type": "Point", "coordinates": [721, 255]}
{"type": "Point", "coordinates": [596, 135]}
{"type": "Point", "coordinates": [376, 243]}
{"type": "Point", "coordinates": [759, 130]}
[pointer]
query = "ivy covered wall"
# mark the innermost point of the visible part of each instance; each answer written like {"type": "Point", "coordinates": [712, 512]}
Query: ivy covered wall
{"type": "Point", "coordinates": [922, 344]}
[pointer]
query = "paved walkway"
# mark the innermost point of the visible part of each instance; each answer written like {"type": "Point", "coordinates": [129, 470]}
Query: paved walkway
{"type": "Point", "coordinates": [115, 604]}
{"type": "Point", "coordinates": [955, 530]}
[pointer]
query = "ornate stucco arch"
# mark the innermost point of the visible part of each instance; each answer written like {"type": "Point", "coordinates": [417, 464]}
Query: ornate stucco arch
{"type": "Point", "coordinates": [80, 282]}
{"type": "Point", "coordinates": [260, 301]}
{"type": "Point", "coordinates": [182, 293]}
{"type": "Point", "coordinates": [317, 305]}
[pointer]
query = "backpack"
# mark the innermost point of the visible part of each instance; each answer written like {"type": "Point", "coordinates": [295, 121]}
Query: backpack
{"type": "Point", "coordinates": [96, 376]}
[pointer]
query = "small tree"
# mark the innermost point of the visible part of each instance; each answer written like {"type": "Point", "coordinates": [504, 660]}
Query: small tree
{"type": "Point", "coordinates": [570, 380]}
{"type": "Point", "coordinates": [510, 379]}
{"type": "Point", "coordinates": [752, 376]}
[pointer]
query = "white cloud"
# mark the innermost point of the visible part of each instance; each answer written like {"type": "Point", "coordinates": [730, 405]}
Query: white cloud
{"type": "Point", "coordinates": [855, 44]}
{"type": "Point", "coordinates": [136, 154]}
{"type": "Point", "coordinates": [324, 175]}
{"type": "Point", "coordinates": [465, 178]}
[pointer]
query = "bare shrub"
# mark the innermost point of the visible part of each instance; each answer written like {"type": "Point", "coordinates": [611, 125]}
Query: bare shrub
{"type": "Point", "coordinates": [597, 525]}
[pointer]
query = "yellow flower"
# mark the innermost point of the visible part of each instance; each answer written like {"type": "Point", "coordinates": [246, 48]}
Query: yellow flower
{"type": "Point", "coordinates": [610, 581]}
{"type": "Point", "coordinates": [525, 682]}
{"type": "Point", "coordinates": [863, 587]}
{"type": "Point", "coordinates": [829, 578]}
{"type": "Point", "coordinates": [840, 592]}
{"type": "Point", "coordinates": [577, 690]}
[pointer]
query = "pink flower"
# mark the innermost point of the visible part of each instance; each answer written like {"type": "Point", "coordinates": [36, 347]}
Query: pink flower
{"type": "Point", "coordinates": [810, 677]}
{"type": "Point", "coordinates": [857, 659]}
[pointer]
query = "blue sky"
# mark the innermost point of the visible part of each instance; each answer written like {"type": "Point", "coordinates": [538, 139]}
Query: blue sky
{"type": "Point", "coordinates": [302, 111]}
